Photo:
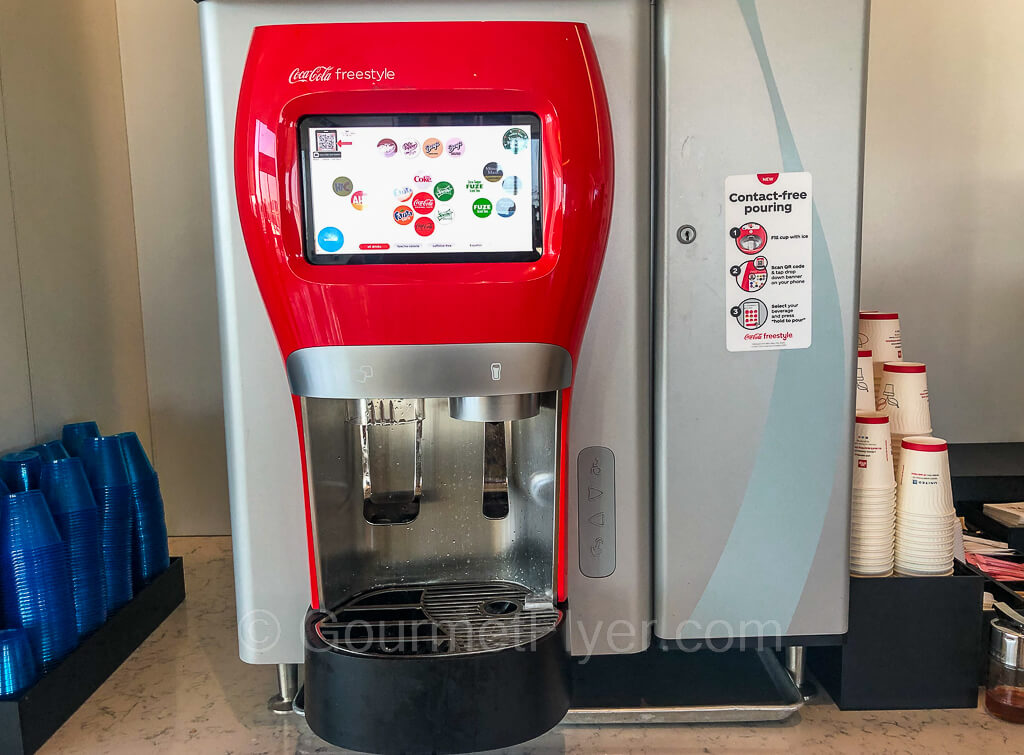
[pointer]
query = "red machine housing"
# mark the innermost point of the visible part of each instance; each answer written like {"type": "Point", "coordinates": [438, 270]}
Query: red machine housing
{"type": "Point", "coordinates": [549, 69]}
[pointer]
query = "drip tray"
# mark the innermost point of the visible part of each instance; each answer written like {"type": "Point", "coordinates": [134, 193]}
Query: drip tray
{"type": "Point", "coordinates": [675, 686]}
{"type": "Point", "coordinates": [443, 619]}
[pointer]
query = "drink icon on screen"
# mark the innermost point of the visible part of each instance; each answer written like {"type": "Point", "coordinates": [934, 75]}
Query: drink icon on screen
{"type": "Point", "coordinates": [516, 140]}
{"type": "Point", "coordinates": [493, 172]}
{"type": "Point", "coordinates": [342, 186]}
{"type": "Point", "coordinates": [751, 314]}
{"type": "Point", "coordinates": [505, 208]}
{"type": "Point", "coordinates": [433, 148]}
{"type": "Point", "coordinates": [456, 147]}
{"type": "Point", "coordinates": [512, 185]}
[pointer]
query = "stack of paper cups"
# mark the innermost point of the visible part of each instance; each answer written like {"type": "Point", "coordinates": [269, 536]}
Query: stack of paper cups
{"type": "Point", "coordinates": [925, 518]}
{"type": "Point", "coordinates": [865, 382]}
{"type": "Point", "coordinates": [904, 397]}
{"type": "Point", "coordinates": [880, 332]}
{"type": "Point", "coordinates": [872, 515]}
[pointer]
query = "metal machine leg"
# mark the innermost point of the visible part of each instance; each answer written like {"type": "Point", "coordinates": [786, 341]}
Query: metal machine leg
{"type": "Point", "coordinates": [795, 666]}
{"type": "Point", "coordinates": [288, 686]}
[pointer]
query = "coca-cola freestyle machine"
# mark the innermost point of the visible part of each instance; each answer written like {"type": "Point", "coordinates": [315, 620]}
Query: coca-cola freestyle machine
{"type": "Point", "coordinates": [425, 207]}
{"type": "Point", "coordinates": [427, 234]}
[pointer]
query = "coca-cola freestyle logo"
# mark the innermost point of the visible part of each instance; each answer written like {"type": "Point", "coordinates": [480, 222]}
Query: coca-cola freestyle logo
{"type": "Point", "coordinates": [333, 73]}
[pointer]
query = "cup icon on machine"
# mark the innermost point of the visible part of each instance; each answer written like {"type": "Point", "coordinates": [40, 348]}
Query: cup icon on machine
{"type": "Point", "coordinates": [496, 371]}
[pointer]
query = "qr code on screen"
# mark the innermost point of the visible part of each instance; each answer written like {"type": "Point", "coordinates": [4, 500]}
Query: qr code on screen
{"type": "Point", "coordinates": [326, 141]}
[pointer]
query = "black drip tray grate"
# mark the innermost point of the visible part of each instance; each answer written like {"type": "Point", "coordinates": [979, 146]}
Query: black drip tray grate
{"type": "Point", "coordinates": [459, 618]}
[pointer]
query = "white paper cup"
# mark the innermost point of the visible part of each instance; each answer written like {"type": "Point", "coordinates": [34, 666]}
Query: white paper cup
{"type": "Point", "coordinates": [904, 398]}
{"type": "Point", "coordinates": [872, 452]}
{"type": "Point", "coordinates": [924, 487]}
{"type": "Point", "coordinates": [865, 381]}
{"type": "Point", "coordinates": [897, 448]}
{"type": "Point", "coordinates": [880, 332]}
{"type": "Point", "coordinates": [881, 565]}
{"type": "Point", "coordinates": [912, 560]}
{"type": "Point", "coordinates": [871, 550]}
{"type": "Point", "coordinates": [905, 571]}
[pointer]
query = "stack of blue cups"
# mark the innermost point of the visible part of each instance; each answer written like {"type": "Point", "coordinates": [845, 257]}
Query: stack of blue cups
{"type": "Point", "coordinates": [149, 533]}
{"type": "Point", "coordinates": [21, 470]}
{"type": "Point", "coordinates": [67, 491]}
{"type": "Point", "coordinates": [17, 666]}
{"type": "Point", "coordinates": [108, 478]}
{"type": "Point", "coordinates": [74, 433]}
{"type": "Point", "coordinates": [35, 578]}
{"type": "Point", "coordinates": [51, 451]}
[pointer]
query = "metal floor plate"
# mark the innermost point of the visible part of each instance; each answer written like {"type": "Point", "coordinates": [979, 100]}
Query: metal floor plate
{"type": "Point", "coordinates": [674, 687]}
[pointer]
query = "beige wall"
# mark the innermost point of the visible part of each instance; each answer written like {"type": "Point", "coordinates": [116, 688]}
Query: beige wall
{"type": "Point", "coordinates": [166, 127]}
{"type": "Point", "coordinates": [105, 240]}
{"type": "Point", "coordinates": [16, 427]}
{"type": "Point", "coordinates": [64, 120]}
{"type": "Point", "coordinates": [943, 197]}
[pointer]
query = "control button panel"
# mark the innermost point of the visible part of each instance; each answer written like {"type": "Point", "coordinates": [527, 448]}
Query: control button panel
{"type": "Point", "coordinates": [595, 468]}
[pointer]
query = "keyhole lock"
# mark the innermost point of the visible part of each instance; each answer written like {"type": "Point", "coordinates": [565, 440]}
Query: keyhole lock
{"type": "Point", "coordinates": [686, 234]}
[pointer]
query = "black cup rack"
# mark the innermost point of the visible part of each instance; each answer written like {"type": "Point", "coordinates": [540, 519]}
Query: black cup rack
{"type": "Point", "coordinates": [28, 721]}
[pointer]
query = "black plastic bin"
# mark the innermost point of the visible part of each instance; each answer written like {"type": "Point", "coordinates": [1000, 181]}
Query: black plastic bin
{"type": "Point", "coordinates": [26, 723]}
{"type": "Point", "coordinates": [912, 643]}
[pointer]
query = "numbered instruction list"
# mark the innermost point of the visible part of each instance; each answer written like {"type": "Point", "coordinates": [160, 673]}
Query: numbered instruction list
{"type": "Point", "coordinates": [768, 261]}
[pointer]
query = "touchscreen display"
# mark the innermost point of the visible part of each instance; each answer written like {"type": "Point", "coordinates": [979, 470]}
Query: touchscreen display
{"type": "Point", "coordinates": [421, 188]}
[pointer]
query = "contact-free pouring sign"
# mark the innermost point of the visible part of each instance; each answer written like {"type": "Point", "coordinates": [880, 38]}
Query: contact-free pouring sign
{"type": "Point", "coordinates": [768, 261]}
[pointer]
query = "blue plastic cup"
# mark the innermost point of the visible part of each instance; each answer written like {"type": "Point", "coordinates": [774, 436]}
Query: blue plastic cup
{"type": "Point", "coordinates": [74, 433]}
{"type": "Point", "coordinates": [149, 536]}
{"type": "Point", "coordinates": [52, 450]}
{"type": "Point", "coordinates": [17, 666]}
{"type": "Point", "coordinates": [136, 461]}
{"type": "Point", "coordinates": [77, 517]}
{"type": "Point", "coordinates": [116, 524]}
{"type": "Point", "coordinates": [21, 471]}
{"type": "Point", "coordinates": [104, 462]}
{"type": "Point", "coordinates": [35, 577]}
{"type": "Point", "coordinates": [150, 556]}
{"type": "Point", "coordinates": [66, 487]}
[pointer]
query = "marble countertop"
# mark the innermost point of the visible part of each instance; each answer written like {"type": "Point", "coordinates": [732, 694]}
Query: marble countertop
{"type": "Point", "coordinates": [185, 691]}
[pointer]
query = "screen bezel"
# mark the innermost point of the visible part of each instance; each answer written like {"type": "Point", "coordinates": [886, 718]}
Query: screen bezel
{"type": "Point", "coordinates": [306, 124]}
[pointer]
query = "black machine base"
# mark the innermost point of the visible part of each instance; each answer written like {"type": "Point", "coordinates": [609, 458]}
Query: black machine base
{"type": "Point", "coordinates": [443, 703]}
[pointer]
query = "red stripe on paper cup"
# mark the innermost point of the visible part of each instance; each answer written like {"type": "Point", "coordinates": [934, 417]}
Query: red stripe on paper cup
{"type": "Point", "coordinates": [921, 443]}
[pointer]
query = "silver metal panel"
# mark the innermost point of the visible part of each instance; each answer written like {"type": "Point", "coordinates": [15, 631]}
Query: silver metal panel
{"type": "Point", "coordinates": [595, 474]}
{"type": "Point", "coordinates": [268, 530]}
{"type": "Point", "coordinates": [610, 399]}
{"type": "Point", "coordinates": [419, 371]}
{"type": "Point", "coordinates": [752, 478]}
